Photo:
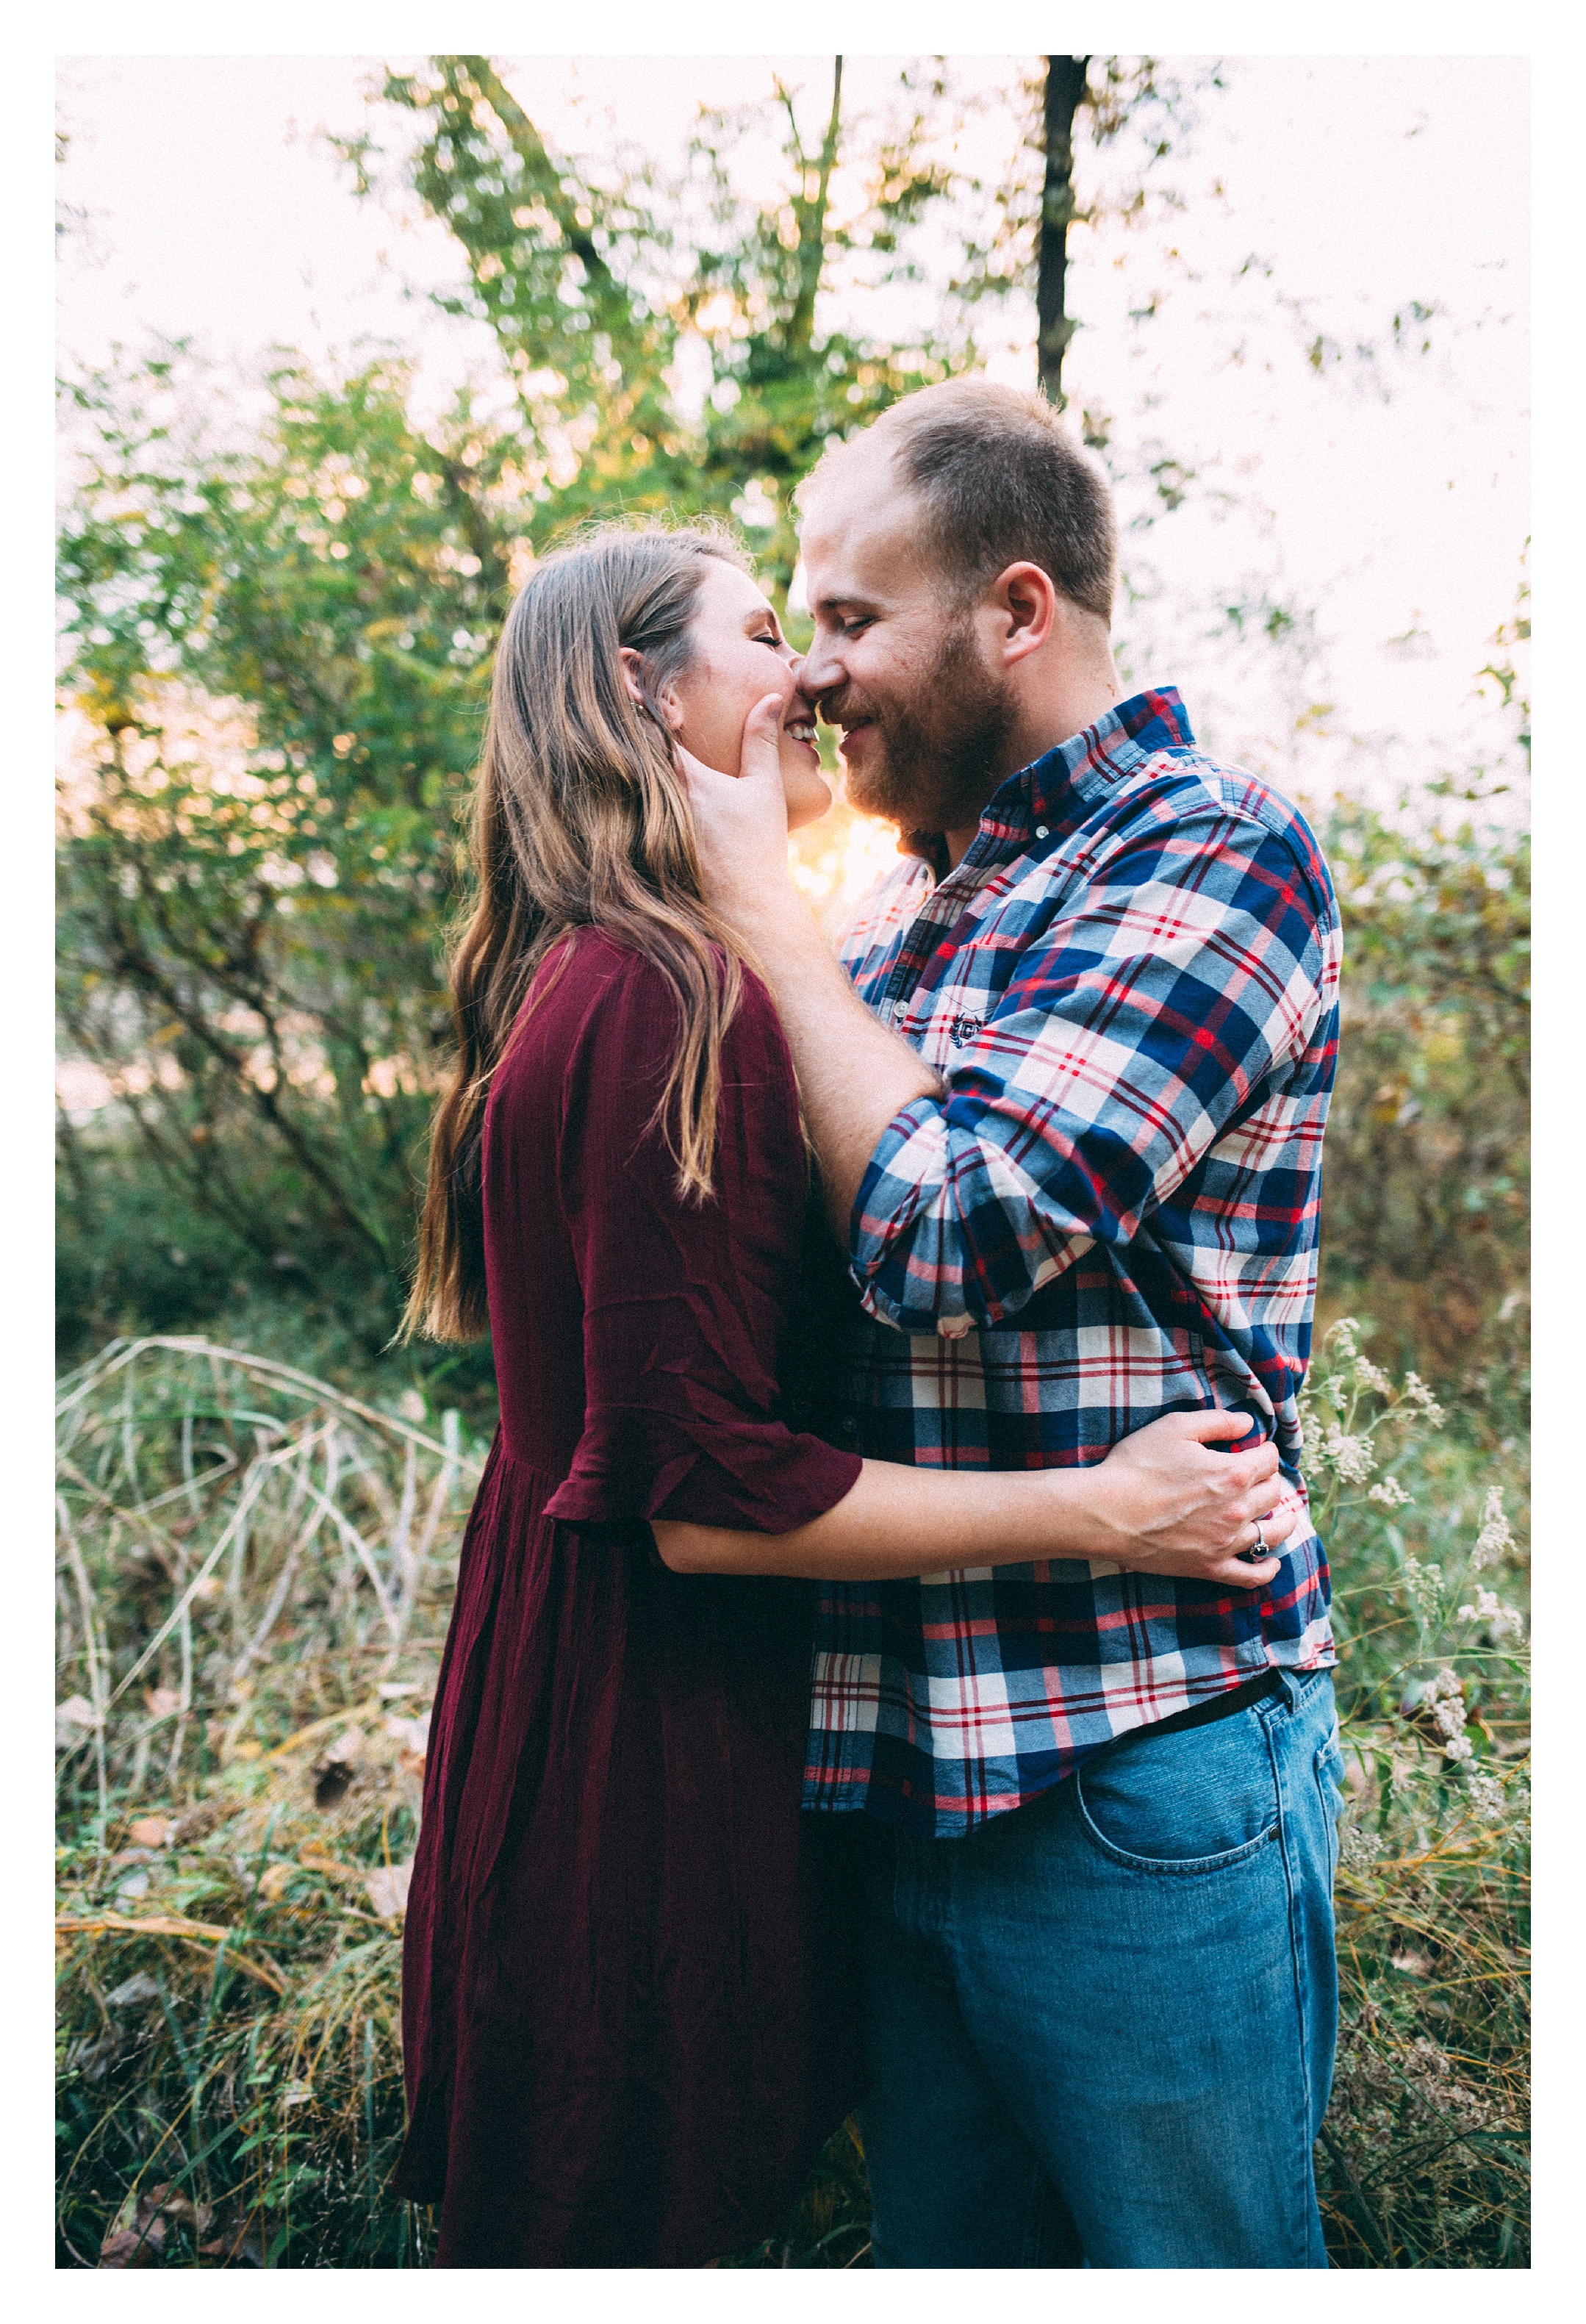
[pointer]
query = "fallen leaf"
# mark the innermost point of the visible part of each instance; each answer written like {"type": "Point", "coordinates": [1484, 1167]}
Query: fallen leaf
{"type": "Point", "coordinates": [73, 1717]}
{"type": "Point", "coordinates": [274, 1883]}
{"type": "Point", "coordinates": [388, 1888]}
{"type": "Point", "coordinates": [135, 2237]}
{"type": "Point", "coordinates": [1412, 1964]}
{"type": "Point", "coordinates": [162, 1703]}
{"type": "Point", "coordinates": [141, 1987]}
{"type": "Point", "coordinates": [151, 1831]}
{"type": "Point", "coordinates": [182, 2208]}
{"type": "Point", "coordinates": [314, 1860]}
{"type": "Point", "coordinates": [237, 2245]}
{"type": "Point", "coordinates": [413, 1734]}
{"type": "Point", "coordinates": [133, 2246]}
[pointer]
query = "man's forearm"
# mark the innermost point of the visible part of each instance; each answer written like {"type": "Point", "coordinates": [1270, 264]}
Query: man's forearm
{"type": "Point", "coordinates": [853, 1073]}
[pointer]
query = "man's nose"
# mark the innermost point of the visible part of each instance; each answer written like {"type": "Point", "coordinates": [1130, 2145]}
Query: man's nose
{"type": "Point", "coordinates": [798, 667]}
{"type": "Point", "coordinates": [820, 671]}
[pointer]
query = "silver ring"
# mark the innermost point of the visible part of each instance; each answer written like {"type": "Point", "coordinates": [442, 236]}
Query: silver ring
{"type": "Point", "coordinates": [1259, 1548]}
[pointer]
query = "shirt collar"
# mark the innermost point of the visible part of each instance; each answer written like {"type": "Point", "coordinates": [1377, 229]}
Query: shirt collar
{"type": "Point", "coordinates": [1087, 766]}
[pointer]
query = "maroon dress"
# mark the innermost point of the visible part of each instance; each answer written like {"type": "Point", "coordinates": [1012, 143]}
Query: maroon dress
{"type": "Point", "coordinates": [630, 2012]}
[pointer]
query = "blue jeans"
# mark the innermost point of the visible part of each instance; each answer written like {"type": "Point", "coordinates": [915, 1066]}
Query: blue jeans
{"type": "Point", "coordinates": [1101, 2027]}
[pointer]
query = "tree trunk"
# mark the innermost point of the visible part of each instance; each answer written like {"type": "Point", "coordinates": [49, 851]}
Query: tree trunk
{"type": "Point", "coordinates": [811, 216]}
{"type": "Point", "coordinates": [1066, 88]}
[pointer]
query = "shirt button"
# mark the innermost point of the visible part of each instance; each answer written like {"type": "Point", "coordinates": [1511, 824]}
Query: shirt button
{"type": "Point", "coordinates": [850, 1427]}
{"type": "Point", "coordinates": [1041, 831]}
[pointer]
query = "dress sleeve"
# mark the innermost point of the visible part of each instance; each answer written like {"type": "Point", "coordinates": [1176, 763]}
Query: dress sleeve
{"type": "Point", "coordinates": [685, 1302]}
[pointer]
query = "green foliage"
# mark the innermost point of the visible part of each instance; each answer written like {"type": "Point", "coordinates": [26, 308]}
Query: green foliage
{"type": "Point", "coordinates": [1425, 1178]}
{"type": "Point", "coordinates": [594, 278]}
{"type": "Point", "coordinates": [280, 651]}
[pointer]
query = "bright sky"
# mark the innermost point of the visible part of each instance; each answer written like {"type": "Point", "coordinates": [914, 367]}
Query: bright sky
{"type": "Point", "coordinates": [1390, 498]}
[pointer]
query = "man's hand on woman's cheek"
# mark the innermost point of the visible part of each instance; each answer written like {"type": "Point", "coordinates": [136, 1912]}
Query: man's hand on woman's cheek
{"type": "Point", "coordinates": [740, 821]}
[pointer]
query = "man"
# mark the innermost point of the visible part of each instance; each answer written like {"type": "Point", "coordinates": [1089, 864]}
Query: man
{"type": "Point", "coordinates": [1067, 1090]}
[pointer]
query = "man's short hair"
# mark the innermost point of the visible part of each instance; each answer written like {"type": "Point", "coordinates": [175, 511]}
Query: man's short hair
{"type": "Point", "coordinates": [1003, 482]}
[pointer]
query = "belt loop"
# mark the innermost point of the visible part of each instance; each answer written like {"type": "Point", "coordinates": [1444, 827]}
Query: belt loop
{"type": "Point", "coordinates": [1290, 1685]}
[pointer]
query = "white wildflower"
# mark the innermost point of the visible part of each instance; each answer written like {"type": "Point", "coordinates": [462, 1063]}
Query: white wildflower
{"type": "Point", "coordinates": [1391, 1493]}
{"type": "Point", "coordinates": [1352, 1456]}
{"type": "Point", "coordinates": [1358, 1847]}
{"type": "Point", "coordinates": [1503, 1621]}
{"type": "Point", "coordinates": [1425, 1585]}
{"type": "Point", "coordinates": [1446, 1680]}
{"type": "Point", "coordinates": [1494, 1542]}
{"type": "Point", "coordinates": [1486, 1795]}
{"type": "Point", "coordinates": [1345, 1336]}
{"type": "Point", "coordinates": [1418, 1395]}
{"type": "Point", "coordinates": [1448, 1717]}
{"type": "Point", "coordinates": [1457, 1747]}
{"type": "Point", "coordinates": [1311, 1436]}
{"type": "Point", "coordinates": [1369, 1376]}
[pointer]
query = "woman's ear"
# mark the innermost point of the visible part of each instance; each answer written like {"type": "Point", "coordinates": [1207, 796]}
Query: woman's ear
{"type": "Point", "coordinates": [667, 702]}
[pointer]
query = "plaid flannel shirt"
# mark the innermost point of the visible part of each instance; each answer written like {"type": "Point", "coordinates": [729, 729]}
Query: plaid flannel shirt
{"type": "Point", "coordinates": [1130, 987]}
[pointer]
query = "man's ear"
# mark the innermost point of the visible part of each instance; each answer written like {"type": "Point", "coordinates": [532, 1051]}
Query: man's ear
{"type": "Point", "coordinates": [665, 700]}
{"type": "Point", "coordinates": [1026, 600]}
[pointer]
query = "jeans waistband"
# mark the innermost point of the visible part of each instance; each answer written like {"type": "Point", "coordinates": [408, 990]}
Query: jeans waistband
{"type": "Point", "coordinates": [1223, 1706]}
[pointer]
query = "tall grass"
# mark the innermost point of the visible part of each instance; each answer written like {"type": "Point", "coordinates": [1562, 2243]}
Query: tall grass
{"type": "Point", "coordinates": [255, 1575]}
{"type": "Point", "coordinates": [255, 1579]}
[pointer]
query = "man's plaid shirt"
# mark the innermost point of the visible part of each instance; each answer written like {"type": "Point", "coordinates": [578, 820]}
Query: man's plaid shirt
{"type": "Point", "coordinates": [1130, 987]}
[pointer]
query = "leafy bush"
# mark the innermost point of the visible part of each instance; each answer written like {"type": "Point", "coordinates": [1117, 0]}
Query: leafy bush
{"type": "Point", "coordinates": [280, 654]}
{"type": "Point", "coordinates": [1425, 1175]}
{"type": "Point", "coordinates": [255, 1576]}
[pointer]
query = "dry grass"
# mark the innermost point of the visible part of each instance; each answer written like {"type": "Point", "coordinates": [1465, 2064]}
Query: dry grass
{"type": "Point", "coordinates": [254, 1579]}
{"type": "Point", "coordinates": [256, 1573]}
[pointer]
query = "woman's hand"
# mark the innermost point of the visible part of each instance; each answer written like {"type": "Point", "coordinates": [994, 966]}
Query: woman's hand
{"type": "Point", "coordinates": [1163, 1501]}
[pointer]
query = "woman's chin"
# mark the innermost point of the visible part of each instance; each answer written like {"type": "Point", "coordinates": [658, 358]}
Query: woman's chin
{"type": "Point", "coordinates": [809, 796]}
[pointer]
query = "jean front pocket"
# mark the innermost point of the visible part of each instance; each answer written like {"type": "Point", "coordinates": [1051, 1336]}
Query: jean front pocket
{"type": "Point", "coordinates": [1200, 1800]}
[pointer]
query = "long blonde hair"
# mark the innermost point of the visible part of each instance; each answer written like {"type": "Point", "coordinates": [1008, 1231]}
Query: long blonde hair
{"type": "Point", "coordinates": [581, 819]}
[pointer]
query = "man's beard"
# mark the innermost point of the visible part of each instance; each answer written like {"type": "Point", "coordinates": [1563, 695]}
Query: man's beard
{"type": "Point", "coordinates": [934, 762]}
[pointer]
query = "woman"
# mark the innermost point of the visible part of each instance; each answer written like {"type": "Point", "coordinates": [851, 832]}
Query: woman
{"type": "Point", "coordinates": [629, 2014]}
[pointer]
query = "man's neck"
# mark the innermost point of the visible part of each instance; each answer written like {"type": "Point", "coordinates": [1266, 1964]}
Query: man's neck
{"type": "Point", "coordinates": [1061, 710]}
